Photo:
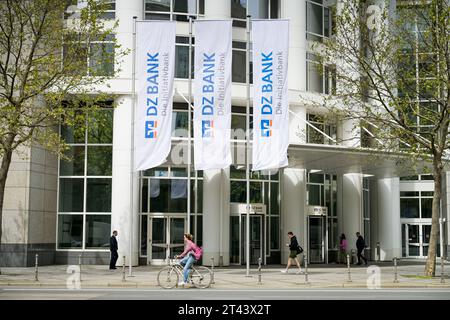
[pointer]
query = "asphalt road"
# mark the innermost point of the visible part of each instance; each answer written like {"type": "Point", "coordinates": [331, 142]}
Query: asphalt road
{"type": "Point", "coordinates": [195, 294]}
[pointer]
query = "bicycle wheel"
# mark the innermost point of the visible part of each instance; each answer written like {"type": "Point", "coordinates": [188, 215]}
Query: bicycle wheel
{"type": "Point", "coordinates": [167, 277]}
{"type": "Point", "coordinates": [201, 277]}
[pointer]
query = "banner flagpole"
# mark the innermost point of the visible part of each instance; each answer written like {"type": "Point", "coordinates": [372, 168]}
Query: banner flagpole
{"type": "Point", "coordinates": [247, 166]}
{"type": "Point", "coordinates": [189, 128]}
{"type": "Point", "coordinates": [133, 94]}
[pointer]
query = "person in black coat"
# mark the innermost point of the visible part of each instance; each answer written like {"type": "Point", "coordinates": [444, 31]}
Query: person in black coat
{"type": "Point", "coordinates": [360, 245]}
{"type": "Point", "coordinates": [113, 247]}
{"type": "Point", "coordinates": [294, 251]}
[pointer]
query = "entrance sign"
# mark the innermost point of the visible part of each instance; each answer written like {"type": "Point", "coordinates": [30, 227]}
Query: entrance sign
{"type": "Point", "coordinates": [270, 94]}
{"type": "Point", "coordinates": [212, 95]}
{"type": "Point", "coordinates": [155, 60]}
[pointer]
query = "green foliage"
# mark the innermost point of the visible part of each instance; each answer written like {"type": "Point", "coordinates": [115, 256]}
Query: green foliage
{"type": "Point", "coordinates": [45, 77]}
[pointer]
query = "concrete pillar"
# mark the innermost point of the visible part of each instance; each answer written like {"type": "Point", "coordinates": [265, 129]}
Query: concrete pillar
{"type": "Point", "coordinates": [389, 226]}
{"type": "Point", "coordinates": [295, 11]}
{"type": "Point", "coordinates": [217, 9]}
{"type": "Point", "coordinates": [293, 209]}
{"type": "Point", "coordinates": [216, 217]}
{"type": "Point", "coordinates": [352, 207]}
{"type": "Point", "coordinates": [121, 184]}
{"type": "Point", "coordinates": [297, 127]}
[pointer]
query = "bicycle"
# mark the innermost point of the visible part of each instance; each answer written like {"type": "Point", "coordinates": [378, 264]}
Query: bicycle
{"type": "Point", "coordinates": [168, 277]}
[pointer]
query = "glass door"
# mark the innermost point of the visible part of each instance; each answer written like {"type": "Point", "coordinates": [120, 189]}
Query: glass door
{"type": "Point", "coordinates": [413, 241]}
{"type": "Point", "coordinates": [165, 239]}
{"type": "Point", "coordinates": [256, 239]}
{"type": "Point", "coordinates": [316, 239]}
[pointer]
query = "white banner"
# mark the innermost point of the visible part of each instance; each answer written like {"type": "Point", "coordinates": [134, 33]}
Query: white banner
{"type": "Point", "coordinates": [155, 60]}
{"type": "Point", "coordinates": [270, 94]}
{"type": "Point", "coordinates": [212, 113]}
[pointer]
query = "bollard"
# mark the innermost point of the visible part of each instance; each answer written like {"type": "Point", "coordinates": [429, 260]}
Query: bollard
{"type": "Point", "coordinates": [348, 269]}
{"type": "Point", "coordinates": [212, 270]}
{"type": "Point", "coordinates": [259, 271]}
{"type": "Point", "coordinates": [306, 269]}
{"type": "Point", "coordinates": [395, 270]}
{"type": "Point", "coordinates": [79, 264]}
{"type": "Point", "coordinates": [123, 269]}
{"type": "Point", "coordinates": [442, 269]}
{"type": "Point", "coordinates": [378, 252]}
{"type": "Point", "coordinates": [36, 268]}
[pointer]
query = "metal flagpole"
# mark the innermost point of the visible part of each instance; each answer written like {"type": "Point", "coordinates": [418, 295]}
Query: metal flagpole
{"type": "Point", "coordinates": [189, 128]}
{"type": "Point", "coordinates": [247, 163]}
{"type": "Point", "coordinates": [133, 94]}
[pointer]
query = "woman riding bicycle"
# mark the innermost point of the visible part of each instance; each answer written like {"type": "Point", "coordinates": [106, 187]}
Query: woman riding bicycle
{"type": "Point", "coordinates": [191, 253]}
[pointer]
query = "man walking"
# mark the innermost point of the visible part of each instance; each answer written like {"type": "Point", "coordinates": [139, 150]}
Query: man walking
{"type": "Point", "coordinates": [113, 247]}
{"type": "Point", "coordinates": [360, 245]}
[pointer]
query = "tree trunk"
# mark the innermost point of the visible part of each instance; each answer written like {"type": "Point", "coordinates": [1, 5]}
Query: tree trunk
{"type": "Point", "coordinates": [6, 161]}
{"type": "Point", "coordinates": [430, 267]}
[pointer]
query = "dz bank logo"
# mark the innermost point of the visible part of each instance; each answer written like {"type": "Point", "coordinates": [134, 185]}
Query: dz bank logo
{"type": "Point", "coordinates": [207, 128]}
{"type": "Point", "coordinates": [150, 129]}
{"type": "Point", "coordinates": [266, 128]}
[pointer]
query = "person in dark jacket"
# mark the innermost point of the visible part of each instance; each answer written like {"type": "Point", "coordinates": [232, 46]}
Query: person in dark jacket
{"type": "Point", "coordinates": [360, 245]}
{"type": "Point", "coordinates": [293, 247]}
{"type": "Point", "coordinates": [113, 247]}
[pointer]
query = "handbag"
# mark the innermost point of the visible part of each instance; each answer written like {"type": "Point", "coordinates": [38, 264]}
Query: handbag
{"type": "Point", "coordinates": [299, 250]}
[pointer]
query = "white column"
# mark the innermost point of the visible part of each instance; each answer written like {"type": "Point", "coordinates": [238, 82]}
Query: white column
{"type": "Point", "coordinates": [217, 9]}
{"type": "Point", "coordinates": [352, 207]}
{"type": "Point", "coordinates": [297, 125]}
{"type": "Point", "coordinates": [121, 202]}
{"type": "Point", "coordinates": [216, 217]}
{"type": "Point", "coordinates": [295, 11]}
{"type": "Point", "coordinates": [389, 226]}
{"type": "Point", "coordinates": [293, 208]}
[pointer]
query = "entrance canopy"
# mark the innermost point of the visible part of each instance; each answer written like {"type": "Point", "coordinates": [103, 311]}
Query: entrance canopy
{"type": "Point", "coordinates": [335, 159]}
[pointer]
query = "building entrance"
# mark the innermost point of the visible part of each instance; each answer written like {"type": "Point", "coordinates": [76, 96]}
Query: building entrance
{"type": "Point", "coordinates": [165, 238]}
{"type": "Point", "coordinates": [238, 234]}
{"type": "Point", "coordinates": [317, 235]}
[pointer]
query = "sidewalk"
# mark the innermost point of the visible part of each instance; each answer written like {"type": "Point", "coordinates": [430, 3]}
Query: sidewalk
{"type": "Point", "coordinates": [410, 275]}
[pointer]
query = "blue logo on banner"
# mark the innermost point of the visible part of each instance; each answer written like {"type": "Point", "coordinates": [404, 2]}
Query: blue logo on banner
{"type": "Point", "coordinates": [266, 128]}
{"type": "Point", "coordinates": [207, 128]}
{"type": "Point", "coordinates": [150, 129]}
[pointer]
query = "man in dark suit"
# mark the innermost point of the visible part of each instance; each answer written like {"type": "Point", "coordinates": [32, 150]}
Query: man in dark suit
{"type": "Point", "coordinates": [360, 245]}
{"type": "Point", "coordinates": [113, 247]}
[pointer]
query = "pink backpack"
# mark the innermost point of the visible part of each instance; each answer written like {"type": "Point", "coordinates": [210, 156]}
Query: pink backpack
{"type": "Point", "coordinates": [198, 251]}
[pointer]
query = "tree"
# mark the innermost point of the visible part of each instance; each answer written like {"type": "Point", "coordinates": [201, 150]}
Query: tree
{"type": "Point", "coordinates": [45, 77]}
{"type": "Point", "coordinates": [392, 68]}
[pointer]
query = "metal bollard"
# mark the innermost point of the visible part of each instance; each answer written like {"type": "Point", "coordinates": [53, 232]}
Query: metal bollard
{"type": "Point", "coordinates": [442, 269]}
{"type": "Point", "coordinates": [259, 270]}
{"type": "Point", "coordinates": [123, 269]}
{"type": "Point", "coordinates": [79, 264]}
{"type": "Point", "coordinates": [306, 269]}
{"type": "Point", "coordinates": [212, 270]}
{"type": "Point", "coordinates": [378, 252]}
{"type": "Point", "coordinates": [348, 269]}
{"type": "Point", "coordinates": [395, 270]}
{"type": "Point", "coordinates": [36, 263]}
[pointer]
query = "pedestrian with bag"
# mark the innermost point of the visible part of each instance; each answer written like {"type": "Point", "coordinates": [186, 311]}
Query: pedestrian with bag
{"type": "Point", "coordinates": [295, 250]}
{"type": "Point", "coordinates": [343, 245]}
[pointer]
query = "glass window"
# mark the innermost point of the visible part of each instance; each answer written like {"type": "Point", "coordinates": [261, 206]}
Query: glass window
{"type": "Point", "coordinates": [144, 195]}
{"type": "Point", "coordinates": [157, 5]}
{"type": "Point", "coordinates": [180, 123]}
{"type": "Point", "coordinates": [238, 66]}
{"type": "Point", "coordinates": [318, 21]}
{"type": "Point", "coordinates": [75, 166]}
{"type": "Point", "coordinates": [98, 195]}
{"type": "Point", "coordinates": [71, 195]}
{"type": "Point", "coordinates": [274, 233]}
{"type": "Point", "coordinates": [100, 127]}
{"type": "Point", "coordinates": [98, 228]}
{"type": "Point", "coordinates": [426, 207]}
{"type": "Point", "coordinates": [101, 59]}
{"type": "Point", "coordinates": [258, 9]}
{"type": "Point", "coordinates": [168, 195]}
{"type": "Point", "coordinates": [314, 195]}
{"type": "Point", "coordinates": [70, 231]}
{"type": "Point", "coordinates": [238, 191]}
{"type": "Point", "coordinates": [99, 160]}
{"type": "Point", "coordinates": [144, 235]}
{"type": "Point", "coordinates": [274, 205]}
{"type": "Point", "coordinates": [255, 192]}
{"type": "Point", "coordinates": [409, 207]}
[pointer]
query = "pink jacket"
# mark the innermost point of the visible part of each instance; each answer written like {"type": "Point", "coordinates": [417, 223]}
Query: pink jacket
{"type": "Point", "coordinates": [343, 244]}
{"type": "Point", "coordinates": [191, 246]}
